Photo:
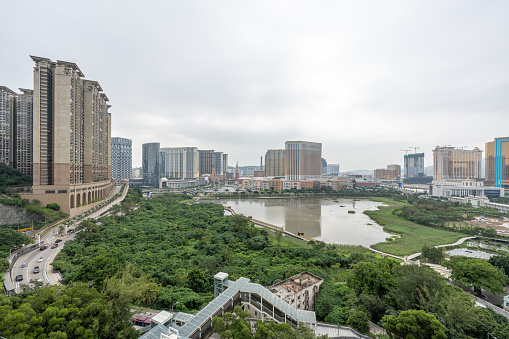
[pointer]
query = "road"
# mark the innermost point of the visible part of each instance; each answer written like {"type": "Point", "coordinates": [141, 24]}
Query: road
{"type": "Point", "coordinates": [47, 255]}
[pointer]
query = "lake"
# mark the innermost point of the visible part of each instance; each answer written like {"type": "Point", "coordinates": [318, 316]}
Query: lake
{"type": "Point", "coordinates": [323, 219]}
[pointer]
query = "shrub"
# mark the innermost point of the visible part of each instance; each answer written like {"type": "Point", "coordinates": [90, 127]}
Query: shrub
{"type": "Point", "coordinates": [53, 206]}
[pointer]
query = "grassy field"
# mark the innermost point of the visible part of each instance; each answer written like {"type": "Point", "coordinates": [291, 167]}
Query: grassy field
{"type": "Point", "coordinates": [412, 236]}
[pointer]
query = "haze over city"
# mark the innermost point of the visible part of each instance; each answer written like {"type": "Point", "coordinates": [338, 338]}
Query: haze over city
{"type": "Point", "coordinates": [364, 78]}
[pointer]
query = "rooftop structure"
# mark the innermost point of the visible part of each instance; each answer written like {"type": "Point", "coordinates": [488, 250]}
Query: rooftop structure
{"type": "Point", "coordinates": [255, 298]}
{"type": "Point", "coordinates": [300, 291]}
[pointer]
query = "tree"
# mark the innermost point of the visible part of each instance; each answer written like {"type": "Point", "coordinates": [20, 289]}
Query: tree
{"type": "Point", "coordinates": [279, 235]}
{"type": "Point", "coordinates": [373, 278]}
{"type": "Point", "coordinates": [433, 254]}
{"type": "Point", "coordinates": [478, 274]}
{"type": "Point", "coordinates": [374, 306]}
{"type": "Point", "coordinates": [53, 206]}
{"type": "Point", "coordinates": [358, 319]}
{"type": "Point", "coordinates": [414, 324]}
{"type": "Point", "coordinates": [500, 261]}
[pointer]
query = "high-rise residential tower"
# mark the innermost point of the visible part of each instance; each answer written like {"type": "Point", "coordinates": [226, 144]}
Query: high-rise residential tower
{"type": "Point", "coordinates": [497, 162]}
{"type": "Point", "coordinates": [151, 164]}
{"type": "Point", "coordinates": [180, 162]}
{"type": "Point", "coordinates": [121, 158]}
{"type": "Point", "coordinates": [7, 108]}
{"type": "Point", "coordinates": [275, 163]}
{"type": "Point", "coordinates": [71, 137]}
{"type": "Point", "coordinates": [303, 160]}
{"type": "Point", "coordinates": [456, 163]}
{"type": "Point", "coordinates": [414, 165]}
{"type": "Point", "coordinates": [16, 113]}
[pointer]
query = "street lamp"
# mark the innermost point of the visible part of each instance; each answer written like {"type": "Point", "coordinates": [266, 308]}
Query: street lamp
{"type": "Point", "coordinates": [173, 305]}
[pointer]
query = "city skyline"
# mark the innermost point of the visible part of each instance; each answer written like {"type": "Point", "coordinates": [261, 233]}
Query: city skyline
{"type": "Point", "coordinates": [365, 79]}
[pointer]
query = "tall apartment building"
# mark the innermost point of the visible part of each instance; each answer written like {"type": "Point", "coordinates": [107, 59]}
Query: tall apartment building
{"type": "Point", "coordinates": [71, 137]}
{"type": "Point", "coordinates": [303, 160]}
{"type": "Point", "coordinates": [16, 114]}
{"type": "Point", "coordinates": [151, 164]}
{"type": "Point", "coordinates": [324, 166]}
{"type": "Point", "coordinates": [180, 162]}
{"type": "Point", "coordinates": [456, 163]}
{"type": "Point", "coordinates": [275, 163]}
{"type": "Point", "coordinates": [414, 165]}
{"type": "Point", "coordinates": [205, 161]}
{"type": "Point", "coordinates": [121, 158]}
{"type": "Point", "coordinates": [7, 105]}
{"type": "Point", "coordinates": [392, 172]}
{"type": "Point", "coordinates": [497, 162]}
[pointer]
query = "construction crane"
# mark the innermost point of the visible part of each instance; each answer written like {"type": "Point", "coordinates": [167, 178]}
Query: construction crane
{"type": "Point", "coordinates": [415, 148]}
{"type": "Point", "coordinates": [406, 151]}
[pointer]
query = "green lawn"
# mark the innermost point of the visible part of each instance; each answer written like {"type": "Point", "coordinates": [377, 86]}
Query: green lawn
{"type": "Point", "coordinates": [412, 236]}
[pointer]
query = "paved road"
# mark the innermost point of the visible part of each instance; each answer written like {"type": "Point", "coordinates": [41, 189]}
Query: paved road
{"type": "Point", "coordinates": [47, 255]}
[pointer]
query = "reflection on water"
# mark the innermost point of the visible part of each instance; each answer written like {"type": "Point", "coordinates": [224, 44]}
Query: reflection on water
{"type": "Point", "coordinates": [321, 219]}
{"type": "Point", "coordinates": [470, 253]}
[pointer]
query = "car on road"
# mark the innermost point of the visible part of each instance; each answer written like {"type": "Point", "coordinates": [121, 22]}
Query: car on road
{"type": "Point", "coordinates": [36, 269]}
{"type": "Point", "coordinates": [54, 246]}
{"type": "Point", "coordinates": [24, 265]}
{"type": "Point", "coordinates": [41, 259]}
{"type": "Point", "coordinates": [43, 248]}
{"type": "Point", "coordinates": [58, 240]}
{"type": "Point", "coordinates": [19, 277]}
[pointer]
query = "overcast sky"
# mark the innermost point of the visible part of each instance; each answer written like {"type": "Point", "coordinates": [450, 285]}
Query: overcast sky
{"type": "Point", "coordinates": [364, 78]}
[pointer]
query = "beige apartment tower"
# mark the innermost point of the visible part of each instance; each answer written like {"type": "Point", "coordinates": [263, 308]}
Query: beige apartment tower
{"type": "Point", "coordinates": [275, 163]}
{"type": "Point", "coordinates": [71, 137]}
{"type": "Point", "coordinates": [303, 160]}
{"type": "Point", "coordinates": [456, 163]}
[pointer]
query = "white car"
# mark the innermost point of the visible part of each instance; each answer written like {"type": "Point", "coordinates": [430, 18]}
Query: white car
{"type": "Point", "coordinates": [41, 259]}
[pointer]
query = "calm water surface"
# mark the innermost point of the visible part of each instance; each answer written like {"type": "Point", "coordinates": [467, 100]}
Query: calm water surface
{"type": "Point", "coordinates": [321, 219]}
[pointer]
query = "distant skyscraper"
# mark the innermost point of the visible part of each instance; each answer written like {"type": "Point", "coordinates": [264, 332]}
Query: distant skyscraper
{"type": "Point", "coordinates": [16, 113]}
{"type": "Point", "coordinates": [225, 164]}
{"type": "Point", "coordinates": [121, 158]}
{"type": "Point", "coordinates": [218, 163]}
{"type": "Point", "coordinates": [23, 132]}
{"type": "Point", "coordinates": [275, 163]}
{"type": "Point", "coordinates": [151, 159]}
{"type": "Point", "coordinates": [303, 160]}
{"type": "Point", "coordinates": [7, 107]}
{"type": "Point", "coordinates": [206, 160]}
{"type": "Point", "coordinates": [324, 166]}
{"type": "Point", "coordinates": [456, 163]}
{"type": "Point", "coordinates": [180, 162]}
{"type": "Point", "coordinates": [497, 162]}
{"type": "Point", "coordinates": [414, 165]}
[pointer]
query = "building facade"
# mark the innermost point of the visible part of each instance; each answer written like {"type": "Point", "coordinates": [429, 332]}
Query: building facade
{"type": "Point", "coordinates": [393, 172]}
{"type": "Point", "coordinates": [456, 163]}
{"type": "Point", "coordinates": [180, 162]}
{"type": "Point", "coordinates": [333, 169]}
{"type": "Point", "coordinates": [71, 137]}
{"type": "Point", "coordinates": [151, 167]}
{"type": "Point", "coordinates": [275, 163]}
{"type": "Point", "coordinates": [205, 161]}
{"type": "Point", "coordinates": [121, 158]}
{"type": "Point", "coordinates": [303, 160]}
{"type": "Point", "coordinates": [7, 103]}
{"type": "Point", "coordinates": [414, 165]}
{"type": "Point", "coordinates": [497, 162]}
